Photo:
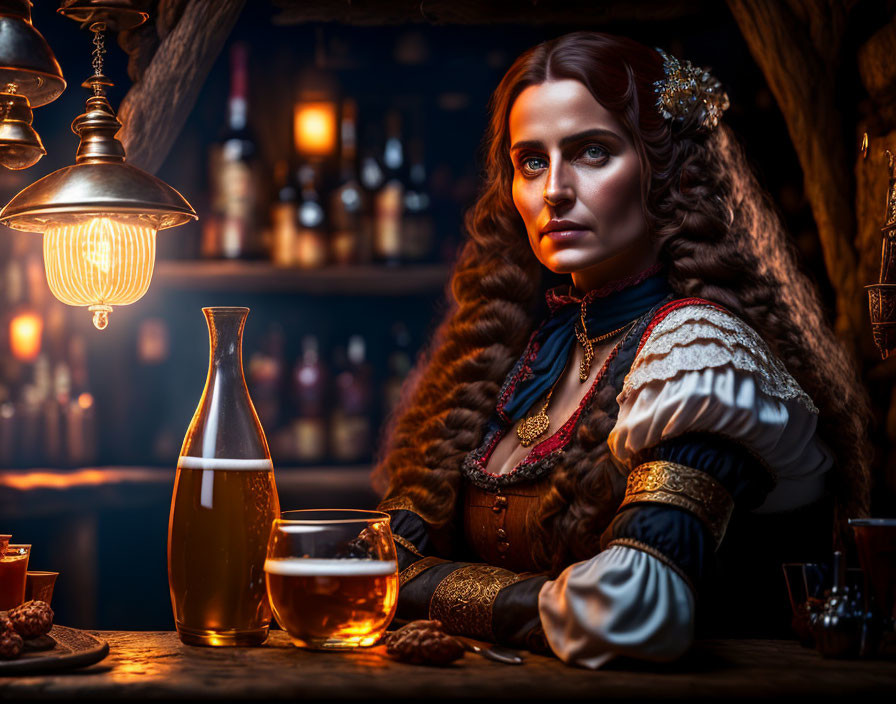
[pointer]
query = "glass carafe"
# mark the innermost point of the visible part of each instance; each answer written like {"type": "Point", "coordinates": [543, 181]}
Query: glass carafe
{"type": "Point", "coordinates": [224, 504]}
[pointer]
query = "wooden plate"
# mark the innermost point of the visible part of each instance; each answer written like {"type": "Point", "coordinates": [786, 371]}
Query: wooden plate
{"type": "Point", "coordinates": [70, 647]}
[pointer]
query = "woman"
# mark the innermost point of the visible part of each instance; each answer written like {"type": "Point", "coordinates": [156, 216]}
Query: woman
{"type": "Point", "coordinates": [567, 475]}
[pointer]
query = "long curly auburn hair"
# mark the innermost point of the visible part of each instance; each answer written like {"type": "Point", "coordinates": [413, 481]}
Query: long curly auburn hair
{"type": "Point", "coordinates": [720, 239]}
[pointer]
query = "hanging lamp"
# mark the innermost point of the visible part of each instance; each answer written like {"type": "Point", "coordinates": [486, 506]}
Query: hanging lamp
{"type": "Point", "coordinates": [99, 217]}
{"type": "Point", "coordinates": [30, 76]}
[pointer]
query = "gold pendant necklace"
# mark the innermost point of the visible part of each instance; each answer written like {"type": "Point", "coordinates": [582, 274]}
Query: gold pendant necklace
{"type": "Point", "coordinates": [533, 427]}
{"type": "Point", "coordinates": [587, 343]}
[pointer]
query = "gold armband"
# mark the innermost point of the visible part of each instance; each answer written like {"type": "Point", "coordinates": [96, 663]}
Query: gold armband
{"type": "Point", "coordinates": [684, 487]}
{"type": "Point", "coordinates": [415, 569]}
{"type": "Point", "coordinates": [464, 600]}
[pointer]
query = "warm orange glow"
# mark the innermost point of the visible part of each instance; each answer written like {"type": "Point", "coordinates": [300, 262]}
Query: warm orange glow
{"type": "Point", "coordinates": [100, 263]}
{"type": "Point", "coordinates": [85, 401]}
{"type": "Point", "coordinates": [24, 481]}
{"type": "Point", "coordinates": [25, 331]}
{"type": "Point", "coordinates": [315, 128]}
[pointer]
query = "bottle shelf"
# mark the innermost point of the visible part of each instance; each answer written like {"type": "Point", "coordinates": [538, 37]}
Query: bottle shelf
{"type": "Point", "coordinates": [43, 492]}
{"type": "Point", "coordinates": [253, 276]}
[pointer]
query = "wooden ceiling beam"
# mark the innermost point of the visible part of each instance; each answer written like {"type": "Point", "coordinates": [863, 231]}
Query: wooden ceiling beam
{"type": "Point", "coordinates": [155, 109]}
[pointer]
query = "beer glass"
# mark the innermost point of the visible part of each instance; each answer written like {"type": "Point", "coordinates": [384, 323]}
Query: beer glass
{"type": "Point", "coordinates": [332, 576]}
{"type": "Point", "coordinates": [224, 502]}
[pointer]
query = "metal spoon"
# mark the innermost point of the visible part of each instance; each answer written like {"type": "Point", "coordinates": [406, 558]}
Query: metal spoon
{"type": "Point", "coordinates": [491, 652]}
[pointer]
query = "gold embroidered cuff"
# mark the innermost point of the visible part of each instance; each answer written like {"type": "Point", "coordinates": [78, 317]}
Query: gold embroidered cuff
{"type": "Point", "coordinates": [464, 600]}
{"type": "Point", "coordinates": [417, 568]}
{"type": "Point", "coordinates": [403, 503]}
{"type": "Point", "coordinates": [684, 487]}
{"type": "Point", "coordinates": [406, 544]}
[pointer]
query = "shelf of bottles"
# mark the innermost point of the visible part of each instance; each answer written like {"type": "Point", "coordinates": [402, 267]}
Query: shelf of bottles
{"type": "Point", "coordinates": [339, 218]}
{"type": "Point", "coordinates": [346, 211]}
{"type": "Point", "coordinates": [47, 407]}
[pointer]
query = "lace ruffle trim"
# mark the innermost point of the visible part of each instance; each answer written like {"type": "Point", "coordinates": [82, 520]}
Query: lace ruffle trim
{"type": "Point", "coordinates": [699, 337]}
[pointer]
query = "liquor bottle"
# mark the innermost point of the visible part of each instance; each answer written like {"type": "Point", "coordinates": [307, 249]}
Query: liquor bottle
{"type": "Point", "coordinates": [399, 365]}
{"type": "Point", "coordinates": [350, 428]}
{"type": "Point", "coordinates": [309, 427]}
{"type": "Point", "coordinates": [418, 228]}
{"type": "Point", "coordinates": [284, 217]}
{"type": "Point", "coordinates": [234, 177]}
{"type": "Point", "coordinates": [266, 377]}
{"type": "Point", "coordinates": [80, 417]}
{"type": "Point", "coordinates": [371, 176]}
{"type": "Point", "coordinates": [311, 239]}
{"type": "Point", "coordinates": [346, 201]}
{"type": "Point", "coordinates": [389, 204]}
{"type": "Point", "coordinates": [223, 505]}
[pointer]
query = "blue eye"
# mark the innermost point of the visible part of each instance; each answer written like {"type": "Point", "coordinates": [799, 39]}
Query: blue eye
{"type": "Point", "coordinates": [595, 151]}
{"type": "Point", "coordinates": [533, 163]}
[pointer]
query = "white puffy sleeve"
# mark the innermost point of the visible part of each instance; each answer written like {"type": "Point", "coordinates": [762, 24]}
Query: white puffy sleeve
{"type": "Point", "coordinates": [700, 370]}
{"type": "Point", "coordinates": [704, 370]}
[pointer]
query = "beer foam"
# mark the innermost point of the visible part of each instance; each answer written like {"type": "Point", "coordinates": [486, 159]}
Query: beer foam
{"type": "Point", "coordinates": [222, 464]}
{"type": "Point", "coordinates": [319, 567]}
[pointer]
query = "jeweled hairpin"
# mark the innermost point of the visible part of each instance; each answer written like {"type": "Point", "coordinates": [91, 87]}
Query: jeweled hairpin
{"type": "Point", "coordinates": [688, 88]}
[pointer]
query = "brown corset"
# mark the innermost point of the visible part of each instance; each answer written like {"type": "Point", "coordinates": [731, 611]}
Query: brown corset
{"type": "Point", "coordinates": [495, 523]}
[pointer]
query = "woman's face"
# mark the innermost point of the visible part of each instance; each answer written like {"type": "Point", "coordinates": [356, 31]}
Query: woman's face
{"type": "Point", "coordinates": [577, 185]}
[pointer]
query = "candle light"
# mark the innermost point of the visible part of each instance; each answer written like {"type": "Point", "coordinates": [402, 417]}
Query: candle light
{"type": "Point", "coordinates": [25, 332]}
{"type": "Point", "coordinates": [315, 128]}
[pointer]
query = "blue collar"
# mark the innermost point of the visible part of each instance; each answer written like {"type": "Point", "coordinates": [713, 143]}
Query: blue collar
{"type": "Point", "coordinates": [606, 309]}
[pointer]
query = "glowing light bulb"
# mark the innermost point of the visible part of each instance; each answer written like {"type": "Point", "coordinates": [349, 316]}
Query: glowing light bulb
{"type": "Point", "coordinates": [100, 262]}
{"type": "Point", "coordinates": [25, 331]}
{"type": "Point", "coordinates": [315, 128]}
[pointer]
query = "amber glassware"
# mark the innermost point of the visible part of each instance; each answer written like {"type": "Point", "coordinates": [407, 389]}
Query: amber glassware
{"type": "Point", "coordinates": [224, 503]}
{"type": "Point", "coordinates": [332, 577]}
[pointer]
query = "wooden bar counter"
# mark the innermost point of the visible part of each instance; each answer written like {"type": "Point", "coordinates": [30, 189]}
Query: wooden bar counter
{"type": "Point", "coordinates": [155, 665]}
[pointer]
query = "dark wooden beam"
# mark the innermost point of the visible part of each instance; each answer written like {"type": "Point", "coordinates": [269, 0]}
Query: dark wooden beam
{"type": "Point", "coordinates": [797, 44]}
{"type": "Point", "coordinates": [391, 12]}
{"type": "Point", "coordinates": [155, 109]}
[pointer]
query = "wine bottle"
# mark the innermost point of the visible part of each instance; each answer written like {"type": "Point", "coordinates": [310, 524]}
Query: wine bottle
{"type": "Point", "coordinates": [234, 178]}
{"type": "Point", "coordinates": [346, 202]}
{"type": "Point", "coordinates": [389, 204]}
{"type": "Point", "coordinates": [350, 429]}
{"type": "Point", "coordinates": [284, 217]}
{"type": "Point", "coordinates": [311, 239]}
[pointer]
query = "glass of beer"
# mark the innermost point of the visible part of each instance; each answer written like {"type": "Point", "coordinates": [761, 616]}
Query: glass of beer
{"type": "Point", "coordinates": [332, 576]}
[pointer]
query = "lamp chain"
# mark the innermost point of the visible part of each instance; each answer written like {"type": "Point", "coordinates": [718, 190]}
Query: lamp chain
{"type": "Point", "coordinates": [99, 51]}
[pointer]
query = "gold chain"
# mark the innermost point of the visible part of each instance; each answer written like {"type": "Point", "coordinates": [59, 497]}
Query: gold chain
{"type": "Point", "coordinates": [533, 427]}
{"type": "Point", "coordinates": [587, 343]}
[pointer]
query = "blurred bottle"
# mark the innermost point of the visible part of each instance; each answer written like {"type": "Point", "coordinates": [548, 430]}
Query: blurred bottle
{"type": "Point", "coordinates": [266, 369]}
{"type": "Point", "coordinates": [231, 231]}
{"type": "Point", "coordinates": [348, 244]}
{"type": "Point", "coordinates": [371, 176]}
{"type": "Point", "coordinates": [399, 365]}
{"type": "Point", "coordinates": [308, 431]}
{"type": "Point", "coordinates": [350, 428]}
{"type": "Point", "coordinates": [418, 228]}
{"type": "Point", "coordinates": [80, 416]}
{"type": "Point", "coordinates": [311, 239]}
{"type": "Point", "coordinates": [284, 217]}
{"type": "Point", "coordinates": [389, 202]}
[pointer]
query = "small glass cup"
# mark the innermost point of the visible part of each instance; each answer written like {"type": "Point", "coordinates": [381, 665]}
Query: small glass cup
{"type": "Point", "coordinates": [332, 576]}
{"type": "Point", "coordinates": [13, 568]}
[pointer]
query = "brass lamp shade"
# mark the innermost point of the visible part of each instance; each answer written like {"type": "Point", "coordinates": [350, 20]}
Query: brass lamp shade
{"type": "Point", "coordinates": [100, 183]}
{"type": "Point", "coordinates": [26, 59]}
{"type": "Point", "coordinates": [20, 145]}
{"type": "Point", "coordinates": [87, 190]}
{"type": "Point", "coordinates": [116, 15]}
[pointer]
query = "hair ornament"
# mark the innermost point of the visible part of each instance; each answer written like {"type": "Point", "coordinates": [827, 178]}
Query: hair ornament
{"type": "Point", "coordinates": [689, 90]}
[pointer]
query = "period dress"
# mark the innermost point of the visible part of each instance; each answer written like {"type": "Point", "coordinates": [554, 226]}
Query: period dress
{"type": "Point", "coordinates": [703, 420]}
